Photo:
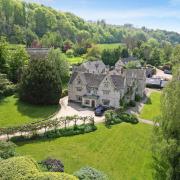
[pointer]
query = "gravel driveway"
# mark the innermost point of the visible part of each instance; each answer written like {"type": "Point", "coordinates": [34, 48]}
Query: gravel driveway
{"type": "Point", "coordinates": [71, 109]}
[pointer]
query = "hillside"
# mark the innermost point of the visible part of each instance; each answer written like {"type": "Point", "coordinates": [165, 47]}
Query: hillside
{"type": "Point", "coordinates": [25, 23]}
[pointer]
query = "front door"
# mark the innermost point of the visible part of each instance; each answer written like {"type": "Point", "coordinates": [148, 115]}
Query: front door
{"type": "Point", "coordinates": [93, 103]}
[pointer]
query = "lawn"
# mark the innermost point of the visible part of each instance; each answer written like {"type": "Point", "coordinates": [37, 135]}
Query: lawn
{"type": "Point", "coordinates": [122, 152]}
{"type": "Point", "coordinates": [75, 60]}
{"type": "Point", "coordinates": [151, 110]}
{"type": "Point", "coordinates": [14, 112]}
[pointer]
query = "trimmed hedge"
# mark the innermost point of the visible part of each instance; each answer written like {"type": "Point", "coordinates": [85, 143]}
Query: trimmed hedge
{"type": "Point", "coordinates": [70, 131]}
{"type": "Point", "coordinates": [116, 117]}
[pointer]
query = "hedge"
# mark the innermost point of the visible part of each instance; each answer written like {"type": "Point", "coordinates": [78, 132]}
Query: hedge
{"type": "Point", "coordinates": [70, 131]}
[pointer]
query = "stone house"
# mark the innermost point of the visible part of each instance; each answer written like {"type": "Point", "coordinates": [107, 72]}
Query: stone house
{"type": "Point", "coordinates": [92, 85]}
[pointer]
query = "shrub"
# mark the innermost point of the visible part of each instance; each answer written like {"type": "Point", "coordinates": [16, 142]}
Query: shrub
{"type": "Point", "coordinates": [7, 149]}
{"type": "Point", "coordinates": [130, 118]}
{"type": "Point", "coordinates": [132, 104]}
{"type": "Point", "coordinates": [89, 173]}
{"type": "Point", "coordinates": [6, 87]}
{"type": "Point", "coordinates": [64, 93]}
{"type": "Point", "coordinates": [137, 98]}
{"type": "Point", "coordinates": [23, 168]}
{"type": "Point", "coordinates": [70, 53]}
{"type": "Point", "coordinates": [17, 167]}
{"type": "Point", "coordinates": [53, 165]}
{"type": "Point", "coordinates": [116, 117]}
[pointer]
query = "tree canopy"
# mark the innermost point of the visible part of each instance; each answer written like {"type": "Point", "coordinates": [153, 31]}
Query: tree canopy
{"type": "Point", "coordinates": [166, 151]}
{"type": "Point", "coordinates": [41, 82]}
{"type": "Point", "coordinates": [23, 22]}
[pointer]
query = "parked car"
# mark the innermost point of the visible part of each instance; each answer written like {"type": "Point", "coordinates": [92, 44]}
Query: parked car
{"type": "Point", "coordinates": [99, 110]}
{"type": "Point", "coordinates": [167, 71]}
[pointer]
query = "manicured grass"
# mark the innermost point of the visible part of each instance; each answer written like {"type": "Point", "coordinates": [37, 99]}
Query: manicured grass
{"type": "Point", "coordinates": [151, 110]}
{"type": "Point", "coordinates": [108, 46]}
{"type": "Point", "coordinates": [14, 112]}
{"type": "Point", "coordinates": [122, 152]}
{"type": "Point", "coordinates": [75, 60]}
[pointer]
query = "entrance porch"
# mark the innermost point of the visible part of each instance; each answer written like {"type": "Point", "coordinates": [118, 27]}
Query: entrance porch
{"type": "Point", "coordinates": [90, 100]}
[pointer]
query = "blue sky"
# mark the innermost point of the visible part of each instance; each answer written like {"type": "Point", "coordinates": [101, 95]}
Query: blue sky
{"type": "Point", "coordinates": [156, 14]}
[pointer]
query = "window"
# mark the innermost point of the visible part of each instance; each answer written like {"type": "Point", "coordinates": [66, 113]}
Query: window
{"type": "Point", "coordinates": [78, 81]}
{"type": "Point", "coordinates": [79, 98]}
{"type": "Point", "coordinates": [87, 102]}
{"type": "Point", "coordinates": [105, 102]}
{"type": "Point", "coordinates": [106, 92]}
{"type": "Point", "coordinates": [106, 84]}
{"type": "Point", "coordinates": [79, 88]}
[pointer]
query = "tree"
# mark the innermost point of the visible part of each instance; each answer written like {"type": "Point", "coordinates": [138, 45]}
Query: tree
{"type": "Point", "coordinates": [52, 39]}
{"type": "Point", "coordinates": [166, 148]}
{"type": "Point", "coordinates": [155, 57]}
{"type": "Point", "coordinates": [124, 53]}
{"type": "Point", "coordinates": [67, 45]}
{"type": "Point", "coordinates": [19, 59]}
{"type": "Point", "coordinates": [4, 56]}
{"type": "Point", "coordinates": [60, 62]}
{"type": "Point", "coordinates": [94, 53]}
{"type": "Point", "coordinates": [41, 82]}
{"type": "Point", "coordinates": [176, 55]}
{"type": "Point", "coordinates": [90, 173]}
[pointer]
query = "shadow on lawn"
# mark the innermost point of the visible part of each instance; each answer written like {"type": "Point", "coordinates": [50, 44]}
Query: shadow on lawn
{"type": "Point", "coordinates": [148, 100]}
{"type": "Point", "coordinates": [3, 100]}
{"type": "Point", "coordinates": [35, 111]}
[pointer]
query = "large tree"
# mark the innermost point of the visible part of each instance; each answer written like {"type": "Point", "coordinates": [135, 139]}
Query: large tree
{"type": "Point", "coordinates": [40, 82]}
{"type": "Point", "coordinates": [166, 147]}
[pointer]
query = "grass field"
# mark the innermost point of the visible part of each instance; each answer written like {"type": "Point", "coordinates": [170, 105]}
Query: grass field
{"type": "Point", "coordinates": [14, 112]}
{"type": "Point", "coordinates": [122, 152]}
{"type": "Point", "coordinates": [108, 46]}
{"type": "Point", "coordinates": [151, 110]}
{"type": "Point", "coordinates": [75, 60]}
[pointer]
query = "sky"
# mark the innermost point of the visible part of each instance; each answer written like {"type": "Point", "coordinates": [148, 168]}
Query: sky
{"type": "Point", "coordinates": [155, 14]}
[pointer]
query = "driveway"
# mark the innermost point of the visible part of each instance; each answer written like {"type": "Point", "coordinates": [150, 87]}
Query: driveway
{"type": "Point", "coordinates": [162, 75]}
{"type": "Point", "coordinates": [71, 109]}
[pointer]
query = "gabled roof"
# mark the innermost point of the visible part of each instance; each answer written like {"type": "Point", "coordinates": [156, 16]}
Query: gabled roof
{"type": "Point", "coordinates": [93, 64]}
{"type": "Point", "coordinates": [93, 80]}
{"type": "Point", "coordinates": [129, 59]}
{"type": "Point", "coordinates": [118, 81]}
{"type": "Point", "coordinates": [73, 77]}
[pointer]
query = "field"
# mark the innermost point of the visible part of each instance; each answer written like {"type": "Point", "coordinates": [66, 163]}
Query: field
{"type": "Point", "coordinates": [151, 110]}
{"type": "Point", "coordinates": [14, 112]}
{"type": "Point", "coordinates": [122, 152]}
{"type": "Point", "coordinates": [108, 46]}
{"type": "Point", "coordinates": [75, 60]}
